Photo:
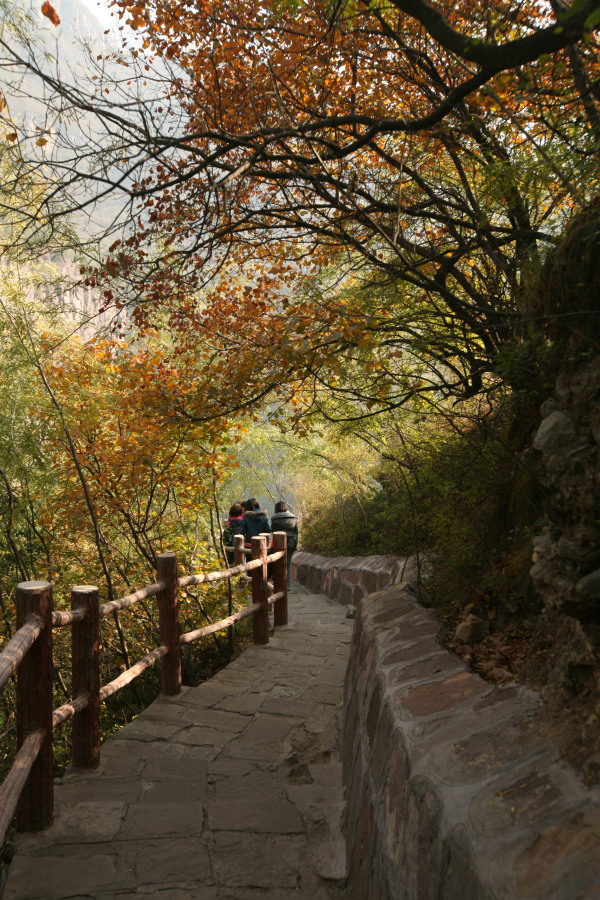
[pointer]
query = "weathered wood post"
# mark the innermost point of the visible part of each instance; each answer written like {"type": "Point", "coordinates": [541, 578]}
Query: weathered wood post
{"type": "Point", "coordinates": [168, 622]}
{"type": "Point", "coordinates": [268, 536]}
{"type": "Point", "coordinates": [34, 706]}
{"type": "Point", "coordinates": [260, 619]}
{"type": "Point", "coordinates": [239, 557]}
{"type": "Point", "coordinates": [280, 578]}
{"type": "Point", "coordinates": [85, 643]}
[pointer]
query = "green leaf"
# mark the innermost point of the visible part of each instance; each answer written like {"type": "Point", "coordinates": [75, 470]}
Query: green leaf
{"type": "Point", "coordinates": [592, 20]}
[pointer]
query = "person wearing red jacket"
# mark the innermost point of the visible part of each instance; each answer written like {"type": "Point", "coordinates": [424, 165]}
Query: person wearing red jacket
{"type": "Point", "coordinates": [233, 526]}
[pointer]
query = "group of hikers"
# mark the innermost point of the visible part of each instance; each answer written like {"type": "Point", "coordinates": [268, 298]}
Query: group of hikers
{"type": "Point", "coordinates": [249, 520]}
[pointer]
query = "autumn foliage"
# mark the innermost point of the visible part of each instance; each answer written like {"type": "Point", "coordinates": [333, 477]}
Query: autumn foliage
{"type": "Point", "coordinates": [355, 189]}
{"type": "Point", "coordinates": [49, 11]}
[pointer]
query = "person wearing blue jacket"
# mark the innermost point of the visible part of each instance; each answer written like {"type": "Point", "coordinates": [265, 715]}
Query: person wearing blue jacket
{"type": "Point", "coordinates": [255, 521]}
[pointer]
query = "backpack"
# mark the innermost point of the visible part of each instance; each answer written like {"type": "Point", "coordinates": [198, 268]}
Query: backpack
{"type": "Point", "coordinates": [230, 530]}
{"type": "Point", "coordinates": [283, 524]}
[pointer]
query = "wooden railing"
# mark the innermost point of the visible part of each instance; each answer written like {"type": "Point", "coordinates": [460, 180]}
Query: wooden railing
{"type": "Point", "coordinates": [28, 789]}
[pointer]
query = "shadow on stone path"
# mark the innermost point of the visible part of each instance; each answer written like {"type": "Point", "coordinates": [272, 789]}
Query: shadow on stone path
{"type": "Point", "coordinates": [230, 791]}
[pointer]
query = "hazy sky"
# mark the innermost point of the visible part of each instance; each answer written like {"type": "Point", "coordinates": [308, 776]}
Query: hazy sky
{"type": "Point", "coordinates": [100, 10]}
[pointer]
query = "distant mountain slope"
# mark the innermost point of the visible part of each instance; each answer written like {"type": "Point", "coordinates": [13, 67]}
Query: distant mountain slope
{"type": "Point", "coordinates": [75, 18]}
{"type": "Point", "coordinates": [65, 44]}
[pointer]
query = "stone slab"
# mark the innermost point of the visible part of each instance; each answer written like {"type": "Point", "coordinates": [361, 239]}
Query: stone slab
{"type": "Point", "coordinates": [226, 768]}
{"type": "Point", "coordinates": [172, 861]}
{"type": "Point", "coordinates": [179, 816]}
{"type": "Point", "coordinates": [328, 693]}
{"type": "Point", "coordinates": [247, 860]}
{"type": "Point", "coordinates": [216, 718]}
{"type": "Point", "coordinates": [55, 877]}
{"type": "Point", "coordinates": [101, 791]}
{"type": "Point", "coordinates": [147, 729]}
{"type": "Point", "coordinates": [168, 893]}
{"type": "Point", "coordinates": [249, 815]}
{"type": "Point", "coordinates": [246, 703]}
{"type": "Point", "coordinates": [200, 734]}
{"type": "Point", "coordinates": [124, 752]}
{"type": "Point", "coordinates": [190, 801]}
{"type": "Point", "coordinates": [286, 706]}
{"type": "Point", "coordinates": [266, 729]}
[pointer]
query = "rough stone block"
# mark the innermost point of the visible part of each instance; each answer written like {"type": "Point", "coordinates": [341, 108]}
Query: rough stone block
{"type": "Point", "coordinates": [406, 652]}
{"type": "Point", "coordinates": [562, 862]}
{"type": "Point", "coordinates": [361, 855]}
{"type": "Point", "coordinates": [381, 745]}
{"type": "Point", "coordinates": [490, 752]}
{"type": "Point", "coordinates": [427, 669]}
{"type": "Point", "coordinates": [351, 576]}
{"type": "Point", "coordinates": [384, 579]}
{"type": "Point", "coordinates": [369, 581]}
{"type": "Point", "coordinates": [458, 876]}
{"type": "Point", "coordinates": [422, 840]}
{"type": "Point", "coordinates": [439, 696]}
{"type": "Point", "coordinates": [394, 803]}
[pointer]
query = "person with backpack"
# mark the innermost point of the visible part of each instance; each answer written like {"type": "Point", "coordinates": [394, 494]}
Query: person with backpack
{"type": "Point", "coordinates": [233, 526]}
{"type": "Point", "coordinates": [285, 520]}
{"type": "Point", "coordinates": [255, 521]}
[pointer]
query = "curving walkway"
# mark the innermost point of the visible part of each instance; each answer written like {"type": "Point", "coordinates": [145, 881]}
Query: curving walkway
{"type": "Point", "coordinates": [230, 791]}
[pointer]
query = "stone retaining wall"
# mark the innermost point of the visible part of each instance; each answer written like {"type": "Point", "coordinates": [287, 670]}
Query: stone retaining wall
{"type": "Point", "coordinates": [452, 792]}
{"type": "Point", "coordinates": [348, 579]}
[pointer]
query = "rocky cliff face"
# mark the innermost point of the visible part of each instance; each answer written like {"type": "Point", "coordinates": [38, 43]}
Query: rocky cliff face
{"type": "Point", "coordinates": [566, 570]}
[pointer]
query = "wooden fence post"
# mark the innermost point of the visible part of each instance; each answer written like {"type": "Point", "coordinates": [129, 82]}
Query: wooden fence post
{"type": "Point", "coordinates": [85, 643]}
{"type": "Point", "coordinates": [34, 706]}
{"type": "Point", "coordinates": [168, 619]}
{"type": "Point", "coordinates": [260, 619]}
{"type": "Point", "coordinates": [239, 557]}
{"type": "Point", "coordinates": [280, 578]}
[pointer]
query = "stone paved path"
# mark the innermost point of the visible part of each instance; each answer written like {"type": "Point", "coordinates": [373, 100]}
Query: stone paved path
{"type": "Point", "coordinates": [230, 791]}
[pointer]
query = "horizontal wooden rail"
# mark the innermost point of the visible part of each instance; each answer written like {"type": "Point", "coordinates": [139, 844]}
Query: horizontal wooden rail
{"type": "Point", "coordinates": [211, 577]}
{"type": "Point", "coordinates": [28, 788]}
{"type": "Point", "coordinates": [17, 647]}
{"type": "Point", "coordinates": [274, 557]}
{"type": "Point", "coordinates": [68, 710]}
{"type": "Point", "coordinates": [191, 636]}
{"type": "Point", "coordinates": [61, 618]}
{"type": "Point", "coordinates": [146, 662]}
{"type": "Point", "coordinates": [115, 605]}
{"type": "Point", "coordinates": [14, 782]}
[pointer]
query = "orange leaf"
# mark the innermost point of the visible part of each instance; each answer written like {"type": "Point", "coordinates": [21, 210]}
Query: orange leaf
{"type": "Point", "coordinates": [50, 13]}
